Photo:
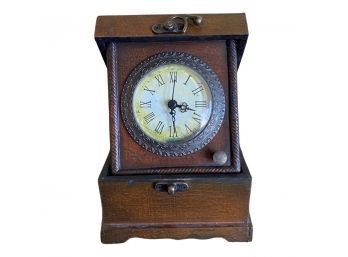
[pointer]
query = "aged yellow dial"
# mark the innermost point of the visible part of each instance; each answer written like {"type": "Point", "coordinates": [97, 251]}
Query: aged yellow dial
{"type": "Point", "coordinates": [172, 103]}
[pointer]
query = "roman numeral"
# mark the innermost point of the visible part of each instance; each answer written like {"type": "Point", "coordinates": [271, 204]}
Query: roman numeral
{"type": "Point", "coordinates": [199, 104]}
{"type": "Point", "coordinates": [172, 133]}
{"type": "Point", "coordinates": [197, 90]}
{"type": "Point", "coordinates": [187, 80]}
{"type": "Point", "coordinates": [149, 117]}
{"type": "Point", "coordinates": [159, 80]}
{"type": "Point", "coordinates": [149, 90]}
{"type": "Point", "coordinates": [188, 130]}
{"type": "Point", "coordinates": [173, 77]}
{"type": "Point", "coordinates": [145, 104]}
{"type": "Point", "coordinates": [159, 127]}
{"type": "Point", "coordinates": [197, 118]}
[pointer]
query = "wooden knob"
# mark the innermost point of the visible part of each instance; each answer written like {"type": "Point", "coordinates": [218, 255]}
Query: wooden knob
{"type": "Point", "coordinates": [220, 157]}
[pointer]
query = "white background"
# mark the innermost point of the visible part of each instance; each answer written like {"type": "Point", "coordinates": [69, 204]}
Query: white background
{"type": "Point", "coordinates": [54, 128]}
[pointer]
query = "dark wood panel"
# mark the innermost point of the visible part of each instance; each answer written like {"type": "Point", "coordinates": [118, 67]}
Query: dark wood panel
{"type": "Point", "coordinates": [239, 232]}
{"type": "Point", "coordinates": [209, 198]}
{"type": "Point", "coordinates": [140, 26]}
{"type": "Point", "coordinates": [213, 206]}
{"type": "Point", "coordinates": [209, 201]}
{"type": "Point", "coordinates": [214, 54]}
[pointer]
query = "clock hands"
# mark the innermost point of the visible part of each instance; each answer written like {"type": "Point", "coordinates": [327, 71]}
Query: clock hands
{"type": "Point", "coordinates": [184, 107]}
{"type": "Point", "coordinates": [172, 104]}
{"type": "Point", "coordinates": [172, 112]}
{"type": "Point", "coordinates": [173, 89]}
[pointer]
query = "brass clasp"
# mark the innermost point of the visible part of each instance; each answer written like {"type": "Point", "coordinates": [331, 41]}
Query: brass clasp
{"type": "Point", "coordinates": [171, 187]}
{"type": "Point", "coordinates": [176, 24]}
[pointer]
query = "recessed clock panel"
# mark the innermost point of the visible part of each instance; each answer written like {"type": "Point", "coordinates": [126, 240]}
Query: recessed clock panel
{"type": "Point", "coordinates": [173, 104]}
{"type": "Point", "coordinates": [133, 55]}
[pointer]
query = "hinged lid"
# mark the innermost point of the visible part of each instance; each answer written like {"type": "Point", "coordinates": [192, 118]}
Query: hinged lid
{"type": "Point", "coordinates": [133, 28]}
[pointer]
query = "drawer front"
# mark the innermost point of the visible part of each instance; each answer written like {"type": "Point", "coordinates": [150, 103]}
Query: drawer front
{"type": "Point", "coordinates": [204, 200]}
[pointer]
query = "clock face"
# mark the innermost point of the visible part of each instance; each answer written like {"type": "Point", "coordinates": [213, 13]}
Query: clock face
{"type": "Point", "coordinates": [172, 103]}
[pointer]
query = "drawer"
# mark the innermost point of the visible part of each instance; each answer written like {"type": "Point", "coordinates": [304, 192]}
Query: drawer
{"type": "Point", "coordinates": [208, 198]}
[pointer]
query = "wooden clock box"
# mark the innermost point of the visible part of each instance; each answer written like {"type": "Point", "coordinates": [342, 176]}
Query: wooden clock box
{"type": "Point", "coordinates": [195, 187]}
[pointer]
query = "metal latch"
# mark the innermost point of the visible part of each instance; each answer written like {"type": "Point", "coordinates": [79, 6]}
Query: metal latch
{"type": "Point", "coordinates": [171, 187]}
{"type": "Point", "coordinates": [176, 24]}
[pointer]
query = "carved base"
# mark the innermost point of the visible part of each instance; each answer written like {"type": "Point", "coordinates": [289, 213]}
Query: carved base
{"type": "Point", "coordinates": [117, 233]}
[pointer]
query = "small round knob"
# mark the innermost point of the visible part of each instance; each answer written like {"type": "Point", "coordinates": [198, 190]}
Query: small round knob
{"type": "Point", "coordinates": [220, 157]}
{"type": "Point", "coordinates": [171, 189]}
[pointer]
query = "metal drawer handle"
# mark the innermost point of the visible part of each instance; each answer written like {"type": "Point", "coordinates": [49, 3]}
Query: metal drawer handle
{"type": "Point", "coordinates": [171, 187]}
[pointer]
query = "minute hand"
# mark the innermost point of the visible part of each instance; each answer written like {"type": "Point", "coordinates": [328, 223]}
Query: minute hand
{"type": "Point", "coordinates": [173, 90]}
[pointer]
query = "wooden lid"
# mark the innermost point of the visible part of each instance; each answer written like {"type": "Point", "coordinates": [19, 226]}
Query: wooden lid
{"type": "Point", "coordinates": [139, 26]}
{"type": "Point", "coordinates": [133, 28]}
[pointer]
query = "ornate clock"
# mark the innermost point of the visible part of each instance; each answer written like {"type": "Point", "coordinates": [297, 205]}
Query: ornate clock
{"type": "Point", "coordinates": [172, 104]}
{"type": "Point", "coordinates": [175, 169]}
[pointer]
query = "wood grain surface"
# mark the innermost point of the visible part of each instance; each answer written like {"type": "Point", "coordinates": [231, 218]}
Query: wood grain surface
{"type": "Point", "coordinates": [136, 26]}
{"type": "Point", "coordinates": [213, 205]}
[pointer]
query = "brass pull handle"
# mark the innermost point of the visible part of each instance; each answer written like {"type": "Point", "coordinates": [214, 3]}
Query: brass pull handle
{"type": "Point", "coordinates": [171, 187]}
{"type": "Point", "coordinates": [176, 24]}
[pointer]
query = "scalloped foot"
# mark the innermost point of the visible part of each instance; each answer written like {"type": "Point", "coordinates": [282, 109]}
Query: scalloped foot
{"type": "Point", "coordinates": [239, 232]}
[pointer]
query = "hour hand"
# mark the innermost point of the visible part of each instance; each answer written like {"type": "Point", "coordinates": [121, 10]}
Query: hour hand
{"type": "Point", "coordinates": [184, 107]}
